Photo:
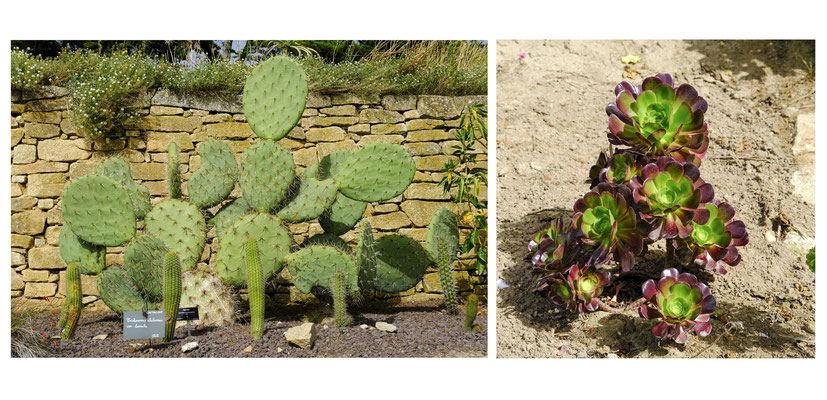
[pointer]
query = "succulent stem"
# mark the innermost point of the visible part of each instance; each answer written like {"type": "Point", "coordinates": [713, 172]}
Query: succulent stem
{"type": "Point", "coordinates": [255, 288]}
{"type": "Point", "coordinates": [605, 307]}
{"type": "Point", "coordinates": [471, 313]}
{"type": "Point", "coordinates": [445, 279]}
{"type": "Point", "coordinates": [74, 302]}
{"type": "Point", "coordinates": [340, 299]}
{"type": "Point", "coordinates": [172, 294]}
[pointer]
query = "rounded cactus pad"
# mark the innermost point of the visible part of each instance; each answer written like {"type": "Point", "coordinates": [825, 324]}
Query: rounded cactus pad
{"type": "Point", "coordinates": [228, 214]}
{"type": "Point", "coordinates": [119, 171]}
{"type": "Point", "coordinates": [119, 293]}
{"type": "Point", "coordinates": [267, 170]}
{"type": "Point", "coordinates": [99, 211]}
{"type": "Point", "coordinates": [324, 239]}
{"type": "Point", "coordinates": [90, 258]}
{"type": "Point", "coordinates": [376, 172]}
{"type": "Point", "coordinates": [144, 261]}
{"type": "Point", "coordinates": [216, 177]}
{"type": "Point", "coordinates": [180, 225]}
{"type": "Point", "coordinates": [312, 198]}
{"type": "Point", "coordinates": [314, 266]}
{"type": "Point", "coordinates": [400, 263]}
{"type": "Point", "coordinates": [273, 243]}
{"type": "Point", "coordinates": [331, 164]}
{"type": "Point", "coordinates": [215, 300]}
{"type": "Point", "coordinates": [443, 228]}
{"type": "Point", "coordinates": [345, 212]}
{"type": "Point", "coordinates": [274, 97]}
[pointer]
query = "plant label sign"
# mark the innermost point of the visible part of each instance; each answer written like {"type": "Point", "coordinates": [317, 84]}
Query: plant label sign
{"type": "Point", "coordinates": [187, 313]}
{"type": "Point", "coordinates": [137, 325]}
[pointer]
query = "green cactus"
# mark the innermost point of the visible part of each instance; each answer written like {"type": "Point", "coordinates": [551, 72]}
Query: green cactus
{"type": "Point", "coordinates": [443, 228]}
{"type": "Point", "coordinates": [471, 313]}
{"type": "Point", "coordinates": [274, 97]}
{"type": "Point", "coordinates": [312, 198]}
{"type": "Point", "coordinates": [99, 211]}
{"type": "Point", "coordinates": [266, 173]}
{"type": "Point", "coordinates": [446, 280]}
{"type": "Point", "coordinates": [172, 294]}
{"type": "Point", "coordinates": [216, 177]}
{"type": "Point", "coordinates": [376, 172]}
{"type": "Point", "coordinates": [366, 258]}
{"type": "Point", "coordinates": [339, 289]}
{"type": "Point", "coordinates": [74, 301]}
{"type": "Point", "coordinates": [255, 288]}
{"type": "Point", "coordinates": [144, 259]}
{"type": "Point", "coordinates": [324, 239]}
{"type": "Point", "coordinates": [273, 244]}
{"type": "Point", "coordinates": [228, 214]}
{"type": "Point", "coordinates": [119, 171]}
{"type": "Point", "coordinates": [173, 171]}
{"type": "Point", "coordinates": [181, 226]}
{"type": "Point", "coordinates": [400, 263]}
{"type": "Point", "coordinates": [344, 213]}
{"type": "Point", "coordinates": [91, 259]}
{"type": "Point", "coordinates": [314, 267]}
{"type": "Point", "coordinates": [119, 293]}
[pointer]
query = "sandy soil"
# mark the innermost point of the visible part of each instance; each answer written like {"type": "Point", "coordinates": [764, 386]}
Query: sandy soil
{"type": "Point", "coordinates": [423, 330]}
{"type": "Point", "coordinates": [551, 125]}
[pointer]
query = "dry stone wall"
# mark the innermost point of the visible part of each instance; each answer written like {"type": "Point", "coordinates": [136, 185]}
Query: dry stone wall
{"type": "Point", "coordinates": [47, 152]}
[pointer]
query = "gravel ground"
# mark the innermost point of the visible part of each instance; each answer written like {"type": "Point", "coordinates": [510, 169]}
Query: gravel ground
{"type": "Point", "coordinates": [423, 330]}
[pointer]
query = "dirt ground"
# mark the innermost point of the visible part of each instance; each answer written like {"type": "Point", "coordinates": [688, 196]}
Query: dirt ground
{"type": "Point", "coordinates": [551, 125]}
{"type": "Point", "coordinates": [423, 330]}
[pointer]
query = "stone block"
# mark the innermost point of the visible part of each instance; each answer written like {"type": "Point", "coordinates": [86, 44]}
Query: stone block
{"type": "Point", "coordinates": [329, 134]}
{"type": "Point", "coordinates": [366, 140]}
{"type": "Point", "coordinates": [432, 163]}
{"type": "Point", "coordinates": [17, 259]}
{"type": "Point", "coordinates": [384, 129]}
{"type": "Point", "coordinates": [359, 128]}
{"type": "Point", "coordinates": [423, 148]}
{"type": "Point", "coordinates": [439, 107]}
{"type": "Point", "coordinates": [399, 102]}
{"type": "Point", "coordinates": [149, 171]}
{"type": "Point", "coordinates": [390, 222]}
{"type": "Point", "coordinates": [164, 110]}
{"type": "Point", "coordinates": [227, 103]}
{"type": "Point", "coordinates": [58, 104]}
{"type": "Point", "coordinates": [34, 275]}
{"type": "Point", "coordinates": [317, 100]}
{"type": "Point", "coordinates": [16, 135]}
{"type": "Point", "coordinates": [17, 282]}
{"type": "Point", "coordinates": [214, 118]}
{"type": "Point", "coordinates": [46, 257]}
{"type": "Point", "coordinates": [313, 122]}
{"type": "Point", "coordinates": [305, 157]}
{"type": "Point", "coordinates": [230, 130]}
{"type": "Point", "coordinates": [425, 191]}
{"type": "Point", "coordinates": [61, 150]}
{"type": "Point", "coordinates": [39, 168]}
{"type": "Point", "coordinates": [31, 222]}
{"type": "Point", "coordinates": [52, 235]}
{"type": "Point", "coordinates": [36, 290]}
{"type": "Point", "coordinates": [350, 98]}
{"type": "Point", "coordinates": [41, 131]}
{"type": "Point", "coordinates": [374, 116]}
{"type": "Point", "coordinates": [170, 123]}
{"type": "Point", "coordinates": [431, 135]}
{"type": "Point", "coordinates": [159, 141]}
{"type": "Point", "coordinates": [22, 241]}
{"type": "Point", "coordinates": [343, 110]}
{"type": "Point", "coordinates": [424, 124]}
{"type": "Point", "coordinates": [326, 148]}
{"type": "Point", "coordinates": [52, 117]}
{"type": "Point", "coordinates": [47, 185]}
{"type": "Point", "coordinates": [24, 154]}
{"type": "Point", "coordinates": [16, 190]}
{"type": "Point", "coordinates": [420, 212]}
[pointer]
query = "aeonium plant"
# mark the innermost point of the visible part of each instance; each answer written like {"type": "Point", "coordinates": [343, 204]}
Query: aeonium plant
{"type": "Point", "coordinates": [657, 119]}
{"type": "Point", "coordinates": [682, 303]}
{"type": "Point", "coordinates": [640, 194]}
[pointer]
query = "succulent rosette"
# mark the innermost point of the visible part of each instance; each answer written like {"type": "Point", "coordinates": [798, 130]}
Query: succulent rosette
{"type": "Point", "coordinates": [669, 196]}
{"type": "Point", "coordinates": [620, 168]}
{"type": "Point", "coordinates": [607, 221]}
{"type": "Point", "coordinates": [715, 242]}
{"type": "Point", "coordinates": [657, 119]}
{"type": "Point", "coordinates": [683, 303]}
{"type": "Point", "coordinates": [576, 290]}
{"type": "Point", "coordinates": [555, 247]}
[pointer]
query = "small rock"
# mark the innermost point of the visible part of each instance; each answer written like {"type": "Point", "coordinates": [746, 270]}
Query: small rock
{"type": "Point", "coordinates": [611, 355]}
{"type": "Point", "coordinates": [302, 336]}
{"type": "Point", "coordinates": [100, 337]}
{"type": "Point", "coordinates": [56, 337]}
{"type": "Point", "coordinates": [189, 347]}
{"type": "Point", "coordinates": [582, 354]}
{"type": "Point", "coordinates": [810, 327]}
{"type": "Point", "coordinates": [324, 326]}
{"type": "Point", "coordinates": [385, 327]}
{"type": "Point", "coordinates": [770, 236]}
{"type": "Point", "coordinates": [363, 326]}
{"type": "Point", "coordinates": [279, 350]}
{"type": "Point", "coordinates": [248, 349]}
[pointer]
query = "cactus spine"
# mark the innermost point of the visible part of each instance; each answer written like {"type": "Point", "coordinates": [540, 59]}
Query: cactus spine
{"type": "Point", "coordinates": [174, 176]}
{"type": "Point", "coordinates": [471, 313]}
{"type": "Point", "coordinates": [449, 290]}
{"type": "Point", "coordinates": [172, 294]}
{"type": "Point", "coordinates": [340, 299]}
{"type": "Point", "coordinates": [255, 288]}
{"type": "Point", "coordinates": [73, 302]}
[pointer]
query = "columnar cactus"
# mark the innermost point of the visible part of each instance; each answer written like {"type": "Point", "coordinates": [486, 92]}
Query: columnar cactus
{"type": "Point", "coordinates": [74, 303]}
{"type": "Point", "coordinates": [339, 289]}
{"type": "Point", "coordinates": [173, 171]}
{"type": "Point", "coordinates": [172, 294]}
{"type": "Point", "coordinates": [255, 288]}
{"type": "Point", "coordinates": [471, 313]}
{"type": "Point", "coordinates": [449, 290]}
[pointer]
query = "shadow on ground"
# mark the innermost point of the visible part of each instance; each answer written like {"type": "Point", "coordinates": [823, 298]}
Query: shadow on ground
{"type": "Point", "coordinates": [783, 57]}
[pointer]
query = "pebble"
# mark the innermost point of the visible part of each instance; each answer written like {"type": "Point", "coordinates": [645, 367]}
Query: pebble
{"type": "Point", "coordinates": [582, 354]}
{"type": "Point", "coordinates": [611, 355]}
{"type": "Point", "coordinates": [364, 326]}
{"type": "Point", "coordinates": [279, 350]}
{"type": "Point", "coordinates": [189, 347]}
{"type": "Point", "coordinates": [386, 327]}
{"type": "Point", "coordinates": [248, 349]}
{"type": "Point", "coordinates": [810, 327]}
{"type": "Point", "coordinates": [100, 337]}
{"type": "Point", "coordinates": [770, 236]}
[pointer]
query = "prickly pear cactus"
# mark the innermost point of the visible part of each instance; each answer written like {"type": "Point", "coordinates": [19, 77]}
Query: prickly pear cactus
{"type": "Point", "coordinates": [400, 263]}
{"type": "Point", "coordinates": [274, 97]}
{"type": "Point", "coordinates": [215, 301]}
{"type": "Point", "coordinates": [181, 227]}
{"type": "Point", "coordinates": [324, 239]}
{"type": "Point", "coordinates": [172, 294]}
{"type": "Point", "coordinates": [312, 198]}
{"type": "Point", "coordinates": [314, 267]}
{"type": "Point", "coordinates": [144, 259]}
{"type": "Point", "coordinates": [273, 245]}
{"type": "Point", "coordinates": [266, 173]}
{"type": "Point", "coordinates": [119, 293]}
{"type": "Point", "coordinates": [216, 177]}
{"type": "Point", "coordinates": [376, 172]}
{"type": "Point", "coordinates": [255, 288]}
{"type": "Point", "coordinates": [228, 214]}
{"type": "Point", "coordinates": [90, 258]}
{"type": "Point", "coordinates": [443, 228]}
{"type": "Point", "coordinates": [119, 171]}
{"type": "Point", "coordinates": [99, 211]}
